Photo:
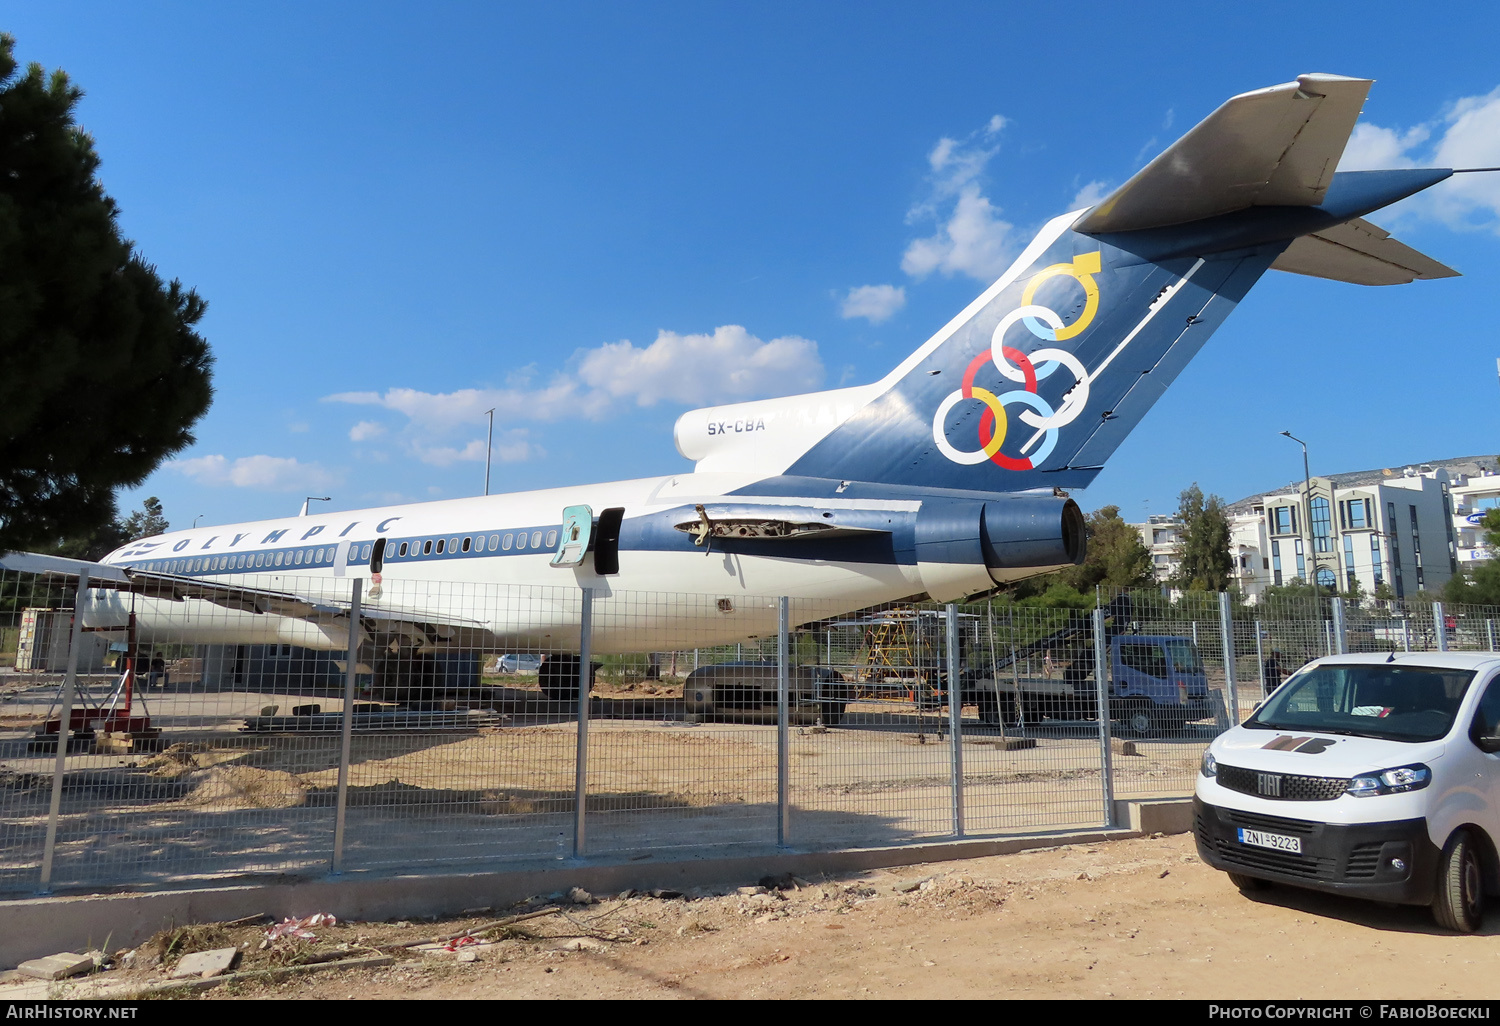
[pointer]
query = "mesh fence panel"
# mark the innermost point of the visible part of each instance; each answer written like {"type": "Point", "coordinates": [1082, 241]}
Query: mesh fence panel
{"type": "Point", "coordinates": [209, 732]}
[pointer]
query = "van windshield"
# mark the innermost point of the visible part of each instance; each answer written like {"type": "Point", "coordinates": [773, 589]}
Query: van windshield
{"type": "Point", "coordinates": [1184, 656]}
{"type": "Point", "coordinates": [1380, 700]}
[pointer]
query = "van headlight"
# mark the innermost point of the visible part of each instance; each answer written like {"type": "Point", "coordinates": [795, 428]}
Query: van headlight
{"type": "Point", "coordinates": [1209, 767]}
{"type": "Point", "coordinates": [1391, 781]}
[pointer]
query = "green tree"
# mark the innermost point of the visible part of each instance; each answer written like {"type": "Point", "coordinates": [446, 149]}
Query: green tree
{"type": "Point", "coordinates": [1481, 585]}
{"type": "Point", "coordinates": [146, 522]}
{"type": "Point", "coordinates": [101, 372]}
{"type": "Point", "coordinates": [1116, 557]}
{"type": "Point", "coordinates": [1206, 564]}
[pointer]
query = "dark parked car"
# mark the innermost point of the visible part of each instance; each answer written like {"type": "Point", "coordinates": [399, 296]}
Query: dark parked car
{"type": "Point", "coordinates": [747, 691]}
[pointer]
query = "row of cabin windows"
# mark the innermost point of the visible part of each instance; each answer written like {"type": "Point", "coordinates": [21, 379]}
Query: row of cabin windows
{"type": "Point", "coordinates": [518, 540]}
{"type": "Point", "coordinates": [256, 560]}
{"type": "Point", "coordinates": [358, 554]}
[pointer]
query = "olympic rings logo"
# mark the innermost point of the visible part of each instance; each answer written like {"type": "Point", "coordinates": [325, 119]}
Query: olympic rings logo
{"type": "Point", "coordinates": [1016, 366]}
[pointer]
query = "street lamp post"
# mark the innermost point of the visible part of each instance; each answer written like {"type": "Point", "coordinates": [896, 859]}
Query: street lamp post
{"type": "Point", "coordinates": [487, 447]}
{"type": "Point", "coordinates": [1312, 543]}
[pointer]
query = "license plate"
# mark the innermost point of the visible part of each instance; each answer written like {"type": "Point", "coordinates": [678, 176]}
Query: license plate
{"type": "Point", "coordinates": [1278, 842]}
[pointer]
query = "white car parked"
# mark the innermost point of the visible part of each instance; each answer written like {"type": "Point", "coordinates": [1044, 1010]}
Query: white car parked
{"type": "Point", "coordinates": [1375, 776]}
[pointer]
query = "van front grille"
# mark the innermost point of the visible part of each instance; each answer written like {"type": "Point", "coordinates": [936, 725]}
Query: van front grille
{"type": "Point", "coordinates": [1285, 787]}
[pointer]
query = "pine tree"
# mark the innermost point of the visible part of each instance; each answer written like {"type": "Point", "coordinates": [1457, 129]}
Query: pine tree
{"type": "Point", "coordinates": [1116, 557]}
{"type": "Point", "coordinates": [1206, 563]}
{"type": "Point", "coordinates": [101, 373]}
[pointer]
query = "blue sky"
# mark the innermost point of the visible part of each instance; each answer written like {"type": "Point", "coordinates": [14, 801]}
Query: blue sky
{"type": "Point", "coordinates": [597, 216]}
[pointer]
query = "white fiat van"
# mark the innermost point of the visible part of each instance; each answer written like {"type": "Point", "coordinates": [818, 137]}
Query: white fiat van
{"type": "Point", "coordinates": [1375, 776]}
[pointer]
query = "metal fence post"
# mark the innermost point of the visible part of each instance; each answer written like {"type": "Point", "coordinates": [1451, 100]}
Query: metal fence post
{"type": "Point", "coordinates": [346, 730]}
{"type": "Point", "coordinates": [1101, 695]}
{"type": "Point", "coordinates": [955, 725]}
{"type": "Point", "coordinates": [1340, 637]}
{"type": "Point", "coordinates": [1231, 686]}
{"type": "Point", "coordinates": [1260, 657]}
{"type": "Point", "coordinates": [1439, 627]}
{"type": "Point", "coordinates": [783, 725]}
{"type": "Point", "coordinates": [1405, 635]}
{"type": "Point", "coordinates": [581, 766]}
{"type": "Point", "coordinates": [1489, 631]}
{"type": "Point", "coordinates": [64, 729]}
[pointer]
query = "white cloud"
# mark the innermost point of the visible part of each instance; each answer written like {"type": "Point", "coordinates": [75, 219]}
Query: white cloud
{"type": "Point", "coordinates": [696, 369]}
{"type": "Point", "coordinates": [511, 447]}
{"type": "Point", "coordinates": [1090, 194]}
{"type": "Point", "coordinates": [365, 430]}
{"type": "Point", "coordinates": [447, 411]}
{"type": "Point", "coordinates": [445, 456]}
{"type": "Point", "coordinates": [1467, 134]}
{"type": "Point", "coordinates": [1373, 148]}
{"type": "Point", "coordinates": [971, 237]}
{"type": "Point", "coordinates": [265, 473]}
{"type": "Point", "coordinates": [875, 303]}
{"type": "Point", "coordinates": [729, 364]}
{"type": "Point", "coordinates": [975, 241]}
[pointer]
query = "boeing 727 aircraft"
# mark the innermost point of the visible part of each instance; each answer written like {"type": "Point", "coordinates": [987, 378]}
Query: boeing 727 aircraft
{"type": "Point", "coordinates": [947, 477]}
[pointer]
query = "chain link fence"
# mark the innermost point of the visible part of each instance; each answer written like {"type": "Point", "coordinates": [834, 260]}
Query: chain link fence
{"type": "Point", "coordinates": [158, 740]}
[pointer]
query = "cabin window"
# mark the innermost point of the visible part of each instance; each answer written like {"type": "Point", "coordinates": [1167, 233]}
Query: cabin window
{"type": "Point", "coordinates": [536, 539]}
{"type": "Point", "coordinates": [440, 546]}
{"type": "Point", "coordinates": [551, 538]}
{"type": "Point", "coordinates": [506, 543]}
{"type": "Point", "coordinates": [452, 544]}
{"type": "Point", "coordinates": [520, 540]}
{"type": "Point", "coordinates": [279, 557]}
{"type": "Point", "coordinates": [467, 543]}
{"type": "Point", "coordinates": [427, 547]}
{"type": "Point", "coordinates": [494, 542]}
{"type": "Point", "coordinates": [402, 550]}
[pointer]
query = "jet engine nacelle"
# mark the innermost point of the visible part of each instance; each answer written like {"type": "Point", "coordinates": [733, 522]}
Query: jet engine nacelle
{"type": "Point", "coordinates": [967, 547]}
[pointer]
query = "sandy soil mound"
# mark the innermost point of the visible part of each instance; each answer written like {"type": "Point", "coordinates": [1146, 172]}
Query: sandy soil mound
{"type": "Point", "coordinates": [245, 787]}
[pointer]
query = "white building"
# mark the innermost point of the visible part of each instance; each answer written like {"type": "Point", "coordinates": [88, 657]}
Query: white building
{"type": "Point", "coordinates": [1473, 497]}
{"type": "Point", "coordinates": [1162, 534]}
{"type": "Point", "coordinates": [1393, 528]}
{"type": "Point", "coordinates": [1405, 529]}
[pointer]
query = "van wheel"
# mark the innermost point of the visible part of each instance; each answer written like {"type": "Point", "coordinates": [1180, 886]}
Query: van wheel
{"type": "Point", "coordinates": [1248, 883]}
{"type": "Point", "coordinates": [1140, 721]}
{"type": "Point", "coordinates": [1459, 902]}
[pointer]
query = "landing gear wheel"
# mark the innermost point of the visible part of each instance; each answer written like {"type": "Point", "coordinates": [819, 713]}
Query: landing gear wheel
{"type": "Point", "coordinates": [558, 678]}
{"type": "Point", "coordinates": [1248, 883]}
{"type": "Point", "coordinates": [989, 707]}
{"type": "Point", "coordinates": [1140, 721]}
{"type": "Point", "coordinates": [1459, 901]}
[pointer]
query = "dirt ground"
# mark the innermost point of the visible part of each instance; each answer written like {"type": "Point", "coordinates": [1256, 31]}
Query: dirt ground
{"type": "Point", "coordinates": [1129, 919]}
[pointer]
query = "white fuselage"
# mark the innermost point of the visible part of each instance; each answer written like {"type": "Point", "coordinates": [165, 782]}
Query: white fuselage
{"type": "Point", "coordinates": [488, 560]}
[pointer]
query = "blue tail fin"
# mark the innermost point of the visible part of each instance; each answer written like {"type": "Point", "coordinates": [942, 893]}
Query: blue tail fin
{"type": "Point", "coordinates": [1040, 379]}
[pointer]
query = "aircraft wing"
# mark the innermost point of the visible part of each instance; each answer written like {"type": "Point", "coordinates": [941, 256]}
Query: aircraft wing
{"type": "Point", "coordinates": [323, 610]}
{"type": "Point", "coordinates": [1277, 146]}
{"type": "Point", "coordinates": [1361, 253]}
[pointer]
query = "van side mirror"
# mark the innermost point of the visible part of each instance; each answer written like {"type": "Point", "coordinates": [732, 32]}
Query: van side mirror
{"type": "Point", "coordinates": [1489, 745]}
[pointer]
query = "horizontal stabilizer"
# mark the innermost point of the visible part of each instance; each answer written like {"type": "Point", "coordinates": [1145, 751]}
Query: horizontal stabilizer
{"type": "Point", "coordinates": [1277, 146]}
{"type": "Point", "coordinates": [1361, 253]}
